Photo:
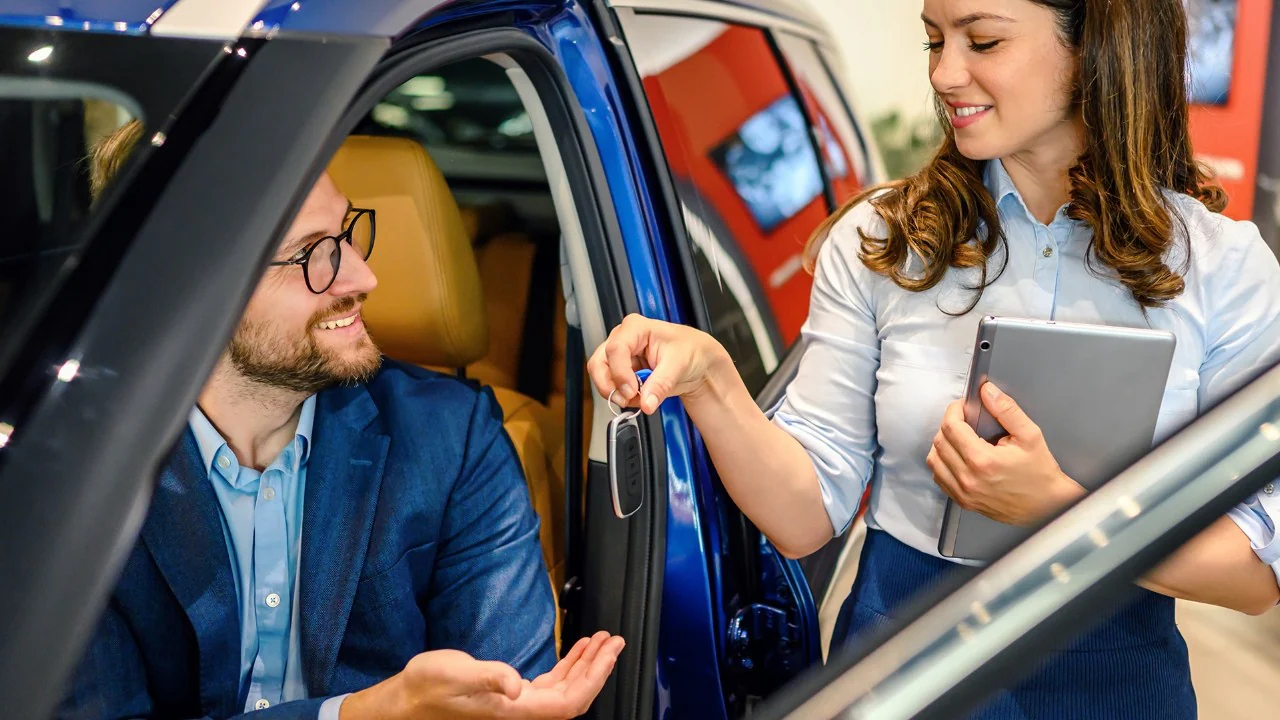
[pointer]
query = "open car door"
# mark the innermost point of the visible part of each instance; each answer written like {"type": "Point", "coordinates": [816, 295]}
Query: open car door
{"type": "Point", "coordinates": [115, 312]}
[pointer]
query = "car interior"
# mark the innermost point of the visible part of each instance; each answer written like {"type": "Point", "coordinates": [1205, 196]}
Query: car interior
{"type": "Point", "coordinates": [468, 261]}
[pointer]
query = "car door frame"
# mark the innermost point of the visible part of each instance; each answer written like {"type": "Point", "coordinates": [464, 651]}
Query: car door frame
{"type": "Point", "coordinates": [77, 470]}
{"type": "Point", "coordinates": [623, 572]}
{"type": "Point", "coordinates": [687, 294]}
{"type": "Point", "coordinates": [178, 357]}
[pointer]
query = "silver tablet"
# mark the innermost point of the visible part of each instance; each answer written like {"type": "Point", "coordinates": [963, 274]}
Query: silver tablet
{"type": "Point", "coordinates": [1094, 390]}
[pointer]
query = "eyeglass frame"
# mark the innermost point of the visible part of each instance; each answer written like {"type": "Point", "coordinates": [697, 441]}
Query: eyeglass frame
{"type": "Point", "coordinates": [345, 235]}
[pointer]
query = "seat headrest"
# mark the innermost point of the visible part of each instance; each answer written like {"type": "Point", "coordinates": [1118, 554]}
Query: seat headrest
{"type": "Point", "coordinates": [428, 308]}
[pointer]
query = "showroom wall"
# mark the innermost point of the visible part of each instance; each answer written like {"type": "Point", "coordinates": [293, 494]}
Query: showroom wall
{"type": "Point", "coordinates": [882, 44]}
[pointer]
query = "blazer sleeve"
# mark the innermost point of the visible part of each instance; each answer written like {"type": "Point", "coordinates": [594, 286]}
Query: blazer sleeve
{"type": "Point", "coordinates": [490, 594]}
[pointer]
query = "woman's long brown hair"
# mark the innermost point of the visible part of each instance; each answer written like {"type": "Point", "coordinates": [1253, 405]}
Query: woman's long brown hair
{"type": "Point", "coordinates": [1131, 91]}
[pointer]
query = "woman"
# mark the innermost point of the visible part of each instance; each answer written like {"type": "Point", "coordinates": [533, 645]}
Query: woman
{"type": "Point", "coordinates": [1065, 189]}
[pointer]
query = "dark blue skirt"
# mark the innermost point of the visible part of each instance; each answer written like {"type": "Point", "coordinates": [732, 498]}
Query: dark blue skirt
{"type": "Point", "coordinates": [1132, 664]}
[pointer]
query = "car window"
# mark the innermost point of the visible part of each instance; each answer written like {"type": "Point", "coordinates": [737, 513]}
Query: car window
{"type": "Point", "coordinates": [469, 116]}
{"type": "Point", "coordinates": [844, 153]}
{"type": "Point", "coordinates": [746, 173]}
{"type": "Point", "coordinates": [49, 132]}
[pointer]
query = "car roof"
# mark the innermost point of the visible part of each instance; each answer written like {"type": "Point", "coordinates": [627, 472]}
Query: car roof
{"type": "Point", "coordinates": [795, 10]}
{"type": "Point", "coordinates": [128, 16]}
{"type": "Point", "coordinates": [221, 19]}
{"type": "Point", "coordinates": [217, 18]}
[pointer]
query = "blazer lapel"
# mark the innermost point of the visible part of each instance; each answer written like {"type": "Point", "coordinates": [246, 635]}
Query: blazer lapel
{"type": "Point", "coordinates": [344, 475]}
{"type": "Point", "coordinates": [184, 535]}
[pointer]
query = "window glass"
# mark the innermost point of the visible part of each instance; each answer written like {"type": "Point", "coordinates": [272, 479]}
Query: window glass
{"type": "Point", "coordinates": [49, 133]}
{"type": "Point", "coordinates": [469, 116]}
{"type": "Point", "coordinates": [469, 104]}
{"type": "Point", "coordinates": [843, 152]}
{"type": "Point", "coordinates": [746, 173]}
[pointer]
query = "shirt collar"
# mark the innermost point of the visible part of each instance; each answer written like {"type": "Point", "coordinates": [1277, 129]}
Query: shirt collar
{"type": "Point", "coordinates": [211, 442]}
{"type": "Point", "coordinates": [1007, 197]}
{"type": "Point", "coordinates": [998, 182]}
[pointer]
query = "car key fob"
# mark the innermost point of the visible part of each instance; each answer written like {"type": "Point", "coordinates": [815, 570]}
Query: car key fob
{"type": "Point", "coordinates": [626, 460]}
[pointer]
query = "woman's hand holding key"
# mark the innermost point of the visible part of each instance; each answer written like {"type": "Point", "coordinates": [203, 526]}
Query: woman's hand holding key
{"type": "Point", "coordinates": [685, 362]}
{"type": "Point", "coordinates": [766, 471]}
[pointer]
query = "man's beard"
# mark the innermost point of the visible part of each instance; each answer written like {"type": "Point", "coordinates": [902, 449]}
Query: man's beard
{"type": "Point", "coordinates": [266, 356]}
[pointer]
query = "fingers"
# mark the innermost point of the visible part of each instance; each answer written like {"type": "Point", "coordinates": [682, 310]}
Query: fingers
{"type": "Point", "coordinates": [598, 371]}
{"type": "Point", "coordinates": [622, 371]}
{"type": "Point", "coordinates": [973, 450]}
{"type": "Point", "coordinates": [561, 670]}
{"type": "Point", "coordinates": [612, 366]}
{"type": "Point", "coordinates": [657, 388]}
{"type": "Point", "coordinates": [584, 689]}
{"type": "Point", "coordinates": [943, 476]}
{"type": "Point", "coordinates": [590, 663]}
{"type": "Point", "coordinates": [1009, 414]}
{"type": "Point", "coordinates": [589, 654]}
{"type": "Point", "coordinates": [960, 473]}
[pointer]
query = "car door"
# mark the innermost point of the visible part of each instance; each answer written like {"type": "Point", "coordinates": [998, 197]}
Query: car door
{"type": "Point", "coordinates": [115, 310]}
{"type": "Point", "coordinates": [754, 147]}
{"type": "Point", "coordinates": [92, 408]}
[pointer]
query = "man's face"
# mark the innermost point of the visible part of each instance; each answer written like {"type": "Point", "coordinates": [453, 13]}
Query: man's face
{"type": "Point", "coordinates": [294, 339]}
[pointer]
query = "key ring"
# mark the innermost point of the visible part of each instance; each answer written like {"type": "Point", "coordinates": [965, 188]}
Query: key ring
{"type": "Point", "coordinates": [641, 375]}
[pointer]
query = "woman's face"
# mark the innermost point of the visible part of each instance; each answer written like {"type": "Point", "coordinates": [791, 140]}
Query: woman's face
{"type": "Point", "coordinates": [1003, 72]}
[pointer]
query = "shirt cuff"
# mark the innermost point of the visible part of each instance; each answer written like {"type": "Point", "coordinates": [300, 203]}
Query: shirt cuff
{"type": "Point", "coordinates": [1256, 518]}
{"type": "Point", "coordinates": [329, 708]}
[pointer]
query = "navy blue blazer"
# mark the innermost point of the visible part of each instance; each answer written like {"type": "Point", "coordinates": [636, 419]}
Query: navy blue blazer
{"type": "Point", "coordinates": [418, 535]}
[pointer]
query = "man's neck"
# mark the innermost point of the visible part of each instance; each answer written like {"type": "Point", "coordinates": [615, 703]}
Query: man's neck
{"type": "Point", "coordinates": [256, 420]}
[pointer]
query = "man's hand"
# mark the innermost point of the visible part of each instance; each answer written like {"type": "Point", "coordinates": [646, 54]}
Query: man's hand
{"type": "Point", "coordinates": [452, 684]}
{"type": "Point", "coordinates": [1015, 481]}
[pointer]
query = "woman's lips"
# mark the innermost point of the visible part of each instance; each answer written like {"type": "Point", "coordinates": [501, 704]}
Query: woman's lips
{"type": "Point", "coordinates": [964, 116]}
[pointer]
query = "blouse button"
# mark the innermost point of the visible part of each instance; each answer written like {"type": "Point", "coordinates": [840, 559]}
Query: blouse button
{"type": "Point", "coordinates": [1047, 252]}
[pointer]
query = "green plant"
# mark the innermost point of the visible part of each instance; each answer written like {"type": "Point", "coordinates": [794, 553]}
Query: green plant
{"type": "Point", "coordinates": [905, 145]}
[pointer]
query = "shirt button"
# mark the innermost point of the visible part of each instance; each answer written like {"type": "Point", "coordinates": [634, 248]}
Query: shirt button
{"type": "Point", "coordinates": [1047, 252]}
{"type": "Point", "coordinates": [273, 600]}
{"type": "Point", "coordinates": [223, 462]}
{"type": "Point", "coordinates": [262, 704]}
{"type": "Point", "coordinates": [269, 494]}
{"type": "Point", "coordinates": [1269, 489]}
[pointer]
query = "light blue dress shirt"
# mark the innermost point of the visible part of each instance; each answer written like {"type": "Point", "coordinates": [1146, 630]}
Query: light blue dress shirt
{"type": "Point", "coordinates": [882, 363]}
{"type": "Point", "coordinates": [262, 515]}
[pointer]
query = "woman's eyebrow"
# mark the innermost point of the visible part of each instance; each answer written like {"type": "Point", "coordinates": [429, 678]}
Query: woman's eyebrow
{"type": "Point", "coordinates": [967, 20]}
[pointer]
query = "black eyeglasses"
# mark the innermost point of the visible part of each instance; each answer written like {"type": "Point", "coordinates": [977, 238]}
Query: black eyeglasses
{"type": "Point", "coordinates": [321, 259]}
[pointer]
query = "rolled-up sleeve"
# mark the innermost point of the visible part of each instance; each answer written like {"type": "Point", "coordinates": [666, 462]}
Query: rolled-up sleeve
{"type": "Point", "coordinates": [830, 405]}
{"type": "Point", "coordinates": [1244, 341]}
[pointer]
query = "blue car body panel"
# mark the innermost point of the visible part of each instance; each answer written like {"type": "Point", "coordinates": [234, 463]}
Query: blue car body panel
{"type": "Point", "coordinates": [124, 16]}
{"type": "Point", "coordinates": [385, 18]}
{"type": "Point", "coordinates": [688, 673]}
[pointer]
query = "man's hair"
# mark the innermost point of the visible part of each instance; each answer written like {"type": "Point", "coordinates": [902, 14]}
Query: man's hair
{"type": "Point", "coordinates": [110, 154]}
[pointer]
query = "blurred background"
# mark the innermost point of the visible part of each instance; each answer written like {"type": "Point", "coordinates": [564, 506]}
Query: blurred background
{"type": "Point", "coordinates": [1229, 57]}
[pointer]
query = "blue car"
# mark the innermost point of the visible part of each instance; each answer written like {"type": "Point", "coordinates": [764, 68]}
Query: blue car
{"type": "Point", "coordinates": [602, 157]}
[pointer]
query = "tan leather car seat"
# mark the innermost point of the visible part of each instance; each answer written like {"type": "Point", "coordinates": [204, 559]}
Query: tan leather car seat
{"type": "Point", "coordinates": [429, 308]}
{"type": "Point", "coordinates": [505, 258]}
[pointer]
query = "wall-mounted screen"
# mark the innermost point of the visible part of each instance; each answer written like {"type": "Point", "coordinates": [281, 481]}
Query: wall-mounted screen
{"type": "Point", "coordinates": [1212, 26]}
{"type": "Point", "coordinates": [771, 163]}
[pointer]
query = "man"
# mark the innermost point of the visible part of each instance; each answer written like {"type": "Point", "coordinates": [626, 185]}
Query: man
{"type": "Point", "coordinates": [335, 536]}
